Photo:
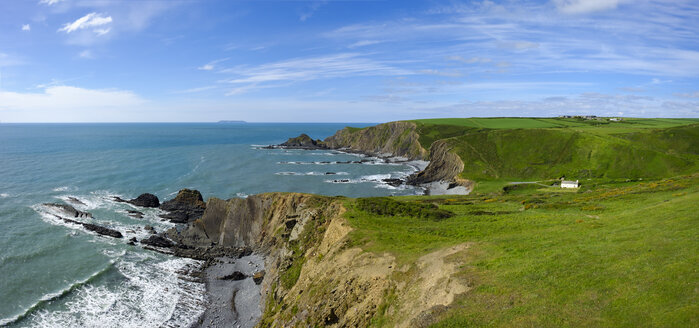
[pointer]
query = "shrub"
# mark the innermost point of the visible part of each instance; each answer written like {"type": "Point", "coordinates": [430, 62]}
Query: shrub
{"type": "Point", "coordinates": [390, 207]}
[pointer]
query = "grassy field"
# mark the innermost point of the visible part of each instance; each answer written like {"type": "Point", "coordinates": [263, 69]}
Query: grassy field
{"type": "Point", "coordinates": [614, 254]}
{"type": "Point", "coordinates": [506, 154]}
{"type": "Point", "coordinates": [555, 122]}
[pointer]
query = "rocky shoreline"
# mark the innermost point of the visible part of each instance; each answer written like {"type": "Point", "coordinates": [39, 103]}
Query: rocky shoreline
{"type": "Point", "coordinates": [438, 176]}
{"type": "Point", "coordinates": [218, 262]}
{"type": "Point", "coordinates": [235, 239]}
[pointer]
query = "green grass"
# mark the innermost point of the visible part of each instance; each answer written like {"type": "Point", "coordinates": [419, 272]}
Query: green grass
{"type": "Point", "coordinates": [620, 254]}
{"type": "Point", "coordinates": [535, 154]}
{"type": "Point", "coordinates": [555, 122]}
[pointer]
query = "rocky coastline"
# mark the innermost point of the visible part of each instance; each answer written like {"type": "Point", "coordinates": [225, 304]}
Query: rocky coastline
{"type": "Point", "coordinates": [249, 245]}
{"type": "Point", "coordinates": [395, 142]}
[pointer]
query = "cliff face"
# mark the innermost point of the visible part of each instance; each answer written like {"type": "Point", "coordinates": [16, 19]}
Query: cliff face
{"type": "Point", "coordinates": [314, 276]}
{"type": "Point", "coordinates": [393, 138]}
{"type": "Point", "coordinates": [444, 166]}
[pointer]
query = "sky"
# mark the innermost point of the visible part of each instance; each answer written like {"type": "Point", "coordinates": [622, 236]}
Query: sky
{"type": "Point", "coordinates": [345, 61]}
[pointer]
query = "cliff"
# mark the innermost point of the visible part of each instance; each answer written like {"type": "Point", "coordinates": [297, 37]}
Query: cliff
{"type": "Point", "coordinates": [444, 166]}
{"type": "Point", "coordinates": [314, 276]}
{"type": "Point", "coordinates": [388, 139]}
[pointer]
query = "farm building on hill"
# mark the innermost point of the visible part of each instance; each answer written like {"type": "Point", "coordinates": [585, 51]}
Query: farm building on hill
{"type": "Point", "coordinates": [569, 184]}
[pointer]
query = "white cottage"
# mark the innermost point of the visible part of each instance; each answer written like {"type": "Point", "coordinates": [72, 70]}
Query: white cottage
{"type": "Point", "coordinates": [569, 184]}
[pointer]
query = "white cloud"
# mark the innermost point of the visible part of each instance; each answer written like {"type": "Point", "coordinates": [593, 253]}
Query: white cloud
{"type": "Point", "coordinates": [26, 27]}
{"type": "Point", "coordinates": [102, 31]}
{"type": "Point", "coordinates": [87, 21]}
{"type": "Point", "coordinates": [471, 60]}
{"type": "Point", "coordinates": [50, 2]}
{"type": "Point", "coordinates": [212, 64]}
{"type": "Point", "coordinates": [67, 104]}
{"type": "Point", "coordinates": [585, 6]}
{"type": "Point", "coordinates": [363, 43]}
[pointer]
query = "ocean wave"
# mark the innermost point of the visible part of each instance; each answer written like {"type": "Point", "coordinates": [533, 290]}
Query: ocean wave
{"type": "Point", "coordinates": [312, 173]}
{"type": "Point", "coordinates": [56, 295]}
{"type": "Point", "coordinates": [62, 188]}
{"type": "Point", "coordinates": [153, 294]}
{"type": "Point", "coordinates": [4, 195]}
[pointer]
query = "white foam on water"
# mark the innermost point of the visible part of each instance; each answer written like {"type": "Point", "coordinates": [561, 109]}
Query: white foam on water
{"type": "Point", "coordinates": [4, 195]}
{"type": "Point", "coordinates": [241, 195]}
{"type": "Point", "coordinates": [51, 296]}
{"type": "Point", "coordinates": [375, 177]}
{"type": "Point", "coordinates": [154, 293]}
{"type": "Point", "coordinates": [61, 188]}
{"type": "Point", "coordinates": [312, 173]}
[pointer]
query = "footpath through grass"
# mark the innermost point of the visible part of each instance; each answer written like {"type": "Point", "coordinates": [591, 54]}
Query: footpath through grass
{"type": "Point", "coordinates": [616, 255]}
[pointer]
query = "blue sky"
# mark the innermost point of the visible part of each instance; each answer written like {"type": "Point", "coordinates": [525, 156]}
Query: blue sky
{"type": "Point", "coordinates": [345, 61]}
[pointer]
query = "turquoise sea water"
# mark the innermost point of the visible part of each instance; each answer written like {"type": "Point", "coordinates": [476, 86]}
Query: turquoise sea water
{"type": "Point", "coordinates": [56, 274]}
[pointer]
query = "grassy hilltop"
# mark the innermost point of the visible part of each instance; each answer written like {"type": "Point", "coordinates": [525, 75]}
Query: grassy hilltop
{"type": "Point", "coordinates": [524, 149]}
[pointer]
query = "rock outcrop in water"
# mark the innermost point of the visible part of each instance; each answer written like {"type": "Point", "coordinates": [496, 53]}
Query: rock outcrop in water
{"type": "Point", "coordinates": [303, 141]}
{"type": "Point", "coordinates": [94, 228]}
{"type": "Point", "coordinates": [68, 210]}
{"type": "Point", "coordinates": [143, 200]}
{"type": "Point", "coordinates": [187, 206]}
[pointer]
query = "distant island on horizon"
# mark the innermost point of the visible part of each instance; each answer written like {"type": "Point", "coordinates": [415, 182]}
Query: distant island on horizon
{"type": "Point", "coordinates": [231, 122]}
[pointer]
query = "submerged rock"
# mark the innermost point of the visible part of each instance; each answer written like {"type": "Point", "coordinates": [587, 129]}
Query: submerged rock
{"type": "Point", "coordinates": [393, 182]}
{"type": "Point", "coordinates": [95, 228]}
{"type": "Point", "coordinates": [69, 210]}
{"type": "Point", "coordinates": [135, 214]}
{"type": "Point", "coordinates": [75, 201]}
{"type": "Point", "coordinates": [187, 206]}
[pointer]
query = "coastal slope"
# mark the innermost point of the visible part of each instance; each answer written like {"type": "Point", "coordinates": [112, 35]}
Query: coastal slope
{"type": "Point", "coordinates": [314, 274]}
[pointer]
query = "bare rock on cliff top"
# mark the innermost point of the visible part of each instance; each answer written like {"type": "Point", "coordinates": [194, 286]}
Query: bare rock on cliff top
{"type": "Point", "coordinates": [187, 206]}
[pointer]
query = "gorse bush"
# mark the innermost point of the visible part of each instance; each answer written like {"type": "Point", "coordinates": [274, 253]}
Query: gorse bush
{"type": "Point", "coordinates": [388, 207]}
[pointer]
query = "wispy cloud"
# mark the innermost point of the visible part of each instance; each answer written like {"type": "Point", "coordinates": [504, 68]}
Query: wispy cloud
{"type": "Point", "coordinates": [694, 94]}
{"type": "Point", "coordinates": [585, 6]}
{"type": "Point", "coordinates": [26, 27]}
{"type": "Point", "coordinates": [90, 20]}
{"type": "Point", "coordinates": [342, 65]}
{"type": "Point", "coordinates": [212, 64]}
{"type": "Point", "coordinates": [87, 54]}
{"type": "Point", "coordinates": [363, 43]}
{"type": "Point", "coordinates": [50, 2]}
{"type": "Point", "coordinates": [310, 10]}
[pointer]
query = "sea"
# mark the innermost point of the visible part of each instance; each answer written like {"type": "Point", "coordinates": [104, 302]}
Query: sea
{"type": "Point", "coordinates": [56, 274]}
